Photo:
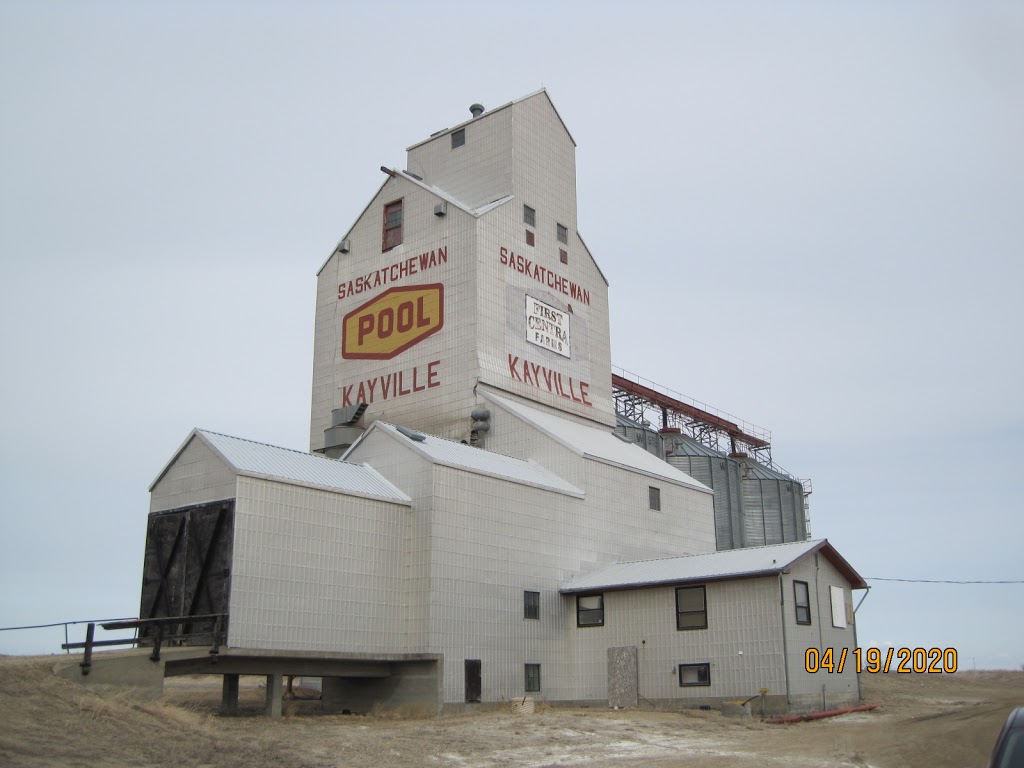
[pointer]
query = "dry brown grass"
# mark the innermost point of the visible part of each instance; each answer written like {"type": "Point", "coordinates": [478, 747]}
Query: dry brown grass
{"type": "Point", "coordinates": [947, 720]}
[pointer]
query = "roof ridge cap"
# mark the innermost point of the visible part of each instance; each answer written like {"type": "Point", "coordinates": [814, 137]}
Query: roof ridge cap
{"type": "Point", "coordinates": [270, 445]}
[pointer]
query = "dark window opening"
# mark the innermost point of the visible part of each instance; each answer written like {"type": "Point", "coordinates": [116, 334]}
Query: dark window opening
{"type": "Point", "coordinates": [458, 138]}
{"type": "Point", "coordinates": [563, 234]}
{"type": "Point", "coordinates": [392, 225]}
{"type": "Point", "coordinates": [529, 216]}
{"type": "Point", "coordinates": [694, 674]}
{"type": "Point", "coordinates": [474, 684]}
{"type": "Point", "coordinates": [532, 678]}
{"type": "Point", "coordinates": [590, 610]}
{"type": "Point", "coordinates": [531, 605]}
{"type": "Point", "coordinates": [802, 600]}
{"type": "Point", "coordinates": [529, 237]}
{"type": "Point", "coordinates": [691, 608]}
{"type": "Point", "coordinates": [653, 495]}
{"type": "Point", "coordinates": [563, 255]}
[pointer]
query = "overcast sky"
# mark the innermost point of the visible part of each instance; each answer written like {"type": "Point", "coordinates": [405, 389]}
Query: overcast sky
{"type": "Point", "coordinates": [811, 216]}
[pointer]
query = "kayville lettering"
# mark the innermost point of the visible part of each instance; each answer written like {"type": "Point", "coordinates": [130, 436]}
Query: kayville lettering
{"type": "Point", "coordinates": [394, 272]}
{"type": "Point", "coordinates": [554, 382]}
{"type": "Point", "coordinates": [551, 279]}
{"type": "Point", "coordinates": [393, 322]}
{"type": "Point", "coordinates": [392, 385]}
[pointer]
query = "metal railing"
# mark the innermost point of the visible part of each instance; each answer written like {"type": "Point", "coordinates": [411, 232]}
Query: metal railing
{"type": "Point", "coordinates": [65, 624]}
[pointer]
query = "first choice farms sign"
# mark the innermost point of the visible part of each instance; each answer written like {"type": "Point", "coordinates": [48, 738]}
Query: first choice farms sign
{"type": "Point", "coordinates": [389, 324]}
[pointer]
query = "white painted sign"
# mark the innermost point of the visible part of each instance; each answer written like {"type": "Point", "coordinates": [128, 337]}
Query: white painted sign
{"type": "Point", "coordinates": [547, 327]}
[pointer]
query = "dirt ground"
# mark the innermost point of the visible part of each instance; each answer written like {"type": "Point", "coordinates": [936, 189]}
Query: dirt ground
{"type": "Point", "coordinates": [924, 720]}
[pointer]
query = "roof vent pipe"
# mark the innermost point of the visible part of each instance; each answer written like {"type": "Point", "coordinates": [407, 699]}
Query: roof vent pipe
{"type": "Point", "coordinates": [476, 110]}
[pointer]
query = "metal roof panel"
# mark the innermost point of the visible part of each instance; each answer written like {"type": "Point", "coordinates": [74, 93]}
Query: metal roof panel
{"type": "Point", "coordinates": [462, 456]}
{"type": "Point", "coordinates": [598, 444]}
{"type": "Point", "coordinates": [259, 459]}
{"type": "Point", "coordinates": [732, 563]}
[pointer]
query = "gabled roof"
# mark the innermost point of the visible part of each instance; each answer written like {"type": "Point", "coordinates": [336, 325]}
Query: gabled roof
{"type": "Point", "coordinates": [713, 566]}
{"type": "Point", "coordinates": [476, 212]}
{"type": "Point", "coordinates": [542, 92]}
{"type": "Point", "coordinates": [269, 462]}
{"type": "Point", "coordinates": [449, 453]}
{"type": "Point", "coordinates": [598, 444]}
{"type": "Point", "coordinates": [394, 173]}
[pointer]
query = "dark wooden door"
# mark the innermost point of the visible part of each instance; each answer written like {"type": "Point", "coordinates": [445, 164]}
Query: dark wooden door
{"type": "Point", "coordinates": [473, 680]}
{"type": "Point", "coordinates": [187, 570]}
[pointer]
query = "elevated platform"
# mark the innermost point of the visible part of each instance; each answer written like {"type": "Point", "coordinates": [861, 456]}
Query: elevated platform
{"type": "Point", "coordinates": [356, 682]}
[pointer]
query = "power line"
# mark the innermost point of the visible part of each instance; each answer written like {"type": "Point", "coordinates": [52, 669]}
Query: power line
{"type": "Point", "coordinates": [941, 581]}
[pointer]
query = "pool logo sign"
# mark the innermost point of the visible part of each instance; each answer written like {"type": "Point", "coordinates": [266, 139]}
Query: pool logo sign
{"type": "Point", "coordinates": [392, 322]}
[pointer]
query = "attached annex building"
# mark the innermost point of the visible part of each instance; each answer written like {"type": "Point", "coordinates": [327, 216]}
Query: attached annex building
{"type": "Point", "coordinates": [467, 527]}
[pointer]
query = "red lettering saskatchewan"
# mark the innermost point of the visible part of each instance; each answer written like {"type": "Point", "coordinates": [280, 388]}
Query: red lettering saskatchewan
{"type": "Point", "coordinates": [551, 279]}
{"type": "Point", "coordinates": [394, 272]}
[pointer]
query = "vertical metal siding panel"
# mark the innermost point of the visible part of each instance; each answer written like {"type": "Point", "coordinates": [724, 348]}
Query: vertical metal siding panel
{"type": "Point", "coordinates": [790, 500]}
{"type": "Point", "coordinates": [801, 513]}
{"type": "Point", "coordinates": [723, 515]}
{"type": "Point", "coordinates": [735, 504]}
{"type": "Point", "coordinates": [700, 470]}
{"type": "Point", "coordinates": [753, 514]}
{"type": "Point", "coordinates": [771, 498]}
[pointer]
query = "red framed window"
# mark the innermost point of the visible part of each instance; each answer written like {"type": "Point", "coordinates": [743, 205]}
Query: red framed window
{"type": "Point", "coordinates": [392, 225]}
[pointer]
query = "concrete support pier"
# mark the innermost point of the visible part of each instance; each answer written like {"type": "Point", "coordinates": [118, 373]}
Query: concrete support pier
{"type": "Point", "coordinates": [229, 695]}
{"type": "Point", "coordinates": [275, 689]}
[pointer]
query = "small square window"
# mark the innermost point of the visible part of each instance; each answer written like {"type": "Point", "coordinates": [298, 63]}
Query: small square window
{"type": "Point", "coordinates": [531, 605]}
{"type": "Point", "coordinates": [529, 237]}
{"type": "Point", "coordinates": [691, 608]}
{"type": "Point", "coordinates": [529, 216]}
{"type": "Point", "coordinates": [563, 255]}
{"type": "Point", "coordinates": [458, 138]}
{"type": "Point", "coordinates": [563, 234]}
{"type": "Point", "coordinates": [532, 673]}
{"type": "Point", "coordinates": [653, 495]}
{"type": "Point", "coordinates": [802, 600]}
{"type": "Point", "coordinates": [392, 225]}
{"type": "Point", "coordinates": [694, 674]}
{"type": "Point", "coordinates": [590, 610]}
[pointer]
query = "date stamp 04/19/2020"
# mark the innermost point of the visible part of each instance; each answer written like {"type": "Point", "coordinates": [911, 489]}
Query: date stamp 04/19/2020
{"type": "Point", "coordinates": [904, 660]}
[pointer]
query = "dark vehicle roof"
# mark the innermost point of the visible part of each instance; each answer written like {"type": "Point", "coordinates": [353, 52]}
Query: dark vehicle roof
{"type": "Point", "coordinates": [1011, 736]}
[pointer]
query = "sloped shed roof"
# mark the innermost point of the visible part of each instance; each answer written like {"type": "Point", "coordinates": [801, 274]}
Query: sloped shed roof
{"type": "Point", "coordinates": [597, 444]}
{"type": "Point", "coordinates": [713, 566]}
{"type": "Point", "coordinates": [252, 459]}
{"type": "Point", "coordinates": [450, 453]}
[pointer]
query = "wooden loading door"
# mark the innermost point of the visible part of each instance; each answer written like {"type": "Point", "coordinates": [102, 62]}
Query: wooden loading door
{"type": "Point", "coordinates": [187, 571]}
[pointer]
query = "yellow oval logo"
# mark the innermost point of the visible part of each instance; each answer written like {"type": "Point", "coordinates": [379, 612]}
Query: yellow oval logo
{"type": "Point", "coordinates": [393, 322]}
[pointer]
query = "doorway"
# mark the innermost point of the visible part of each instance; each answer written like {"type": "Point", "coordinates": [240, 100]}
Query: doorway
{"type": "Point", "coordinates": [473, 680]}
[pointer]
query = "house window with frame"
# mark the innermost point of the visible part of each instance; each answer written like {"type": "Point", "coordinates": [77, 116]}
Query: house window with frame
{"type": "Point", "coordinates": [590, 610]}
{"type": "Point", "coordinates": [563, 233]}
{"type": "Point", "coordinates": [694, 674]}
{"type": "Point", "coordinates": [392, 225]}
{"type": "Point", "coordinates": [802, 601]}
{"type": "Point", "coordinates": [529, 216]}
{"type": "Point", "coordinates": [531, 605]}
{"type": "Point", "coordinates": [691, 608]}
{"type": "Point", "coordinates": [532, 678]}
{"type": "Point", "coordinates": [654, 498]}
{"type": "Point", "coordinates": [458, 138]}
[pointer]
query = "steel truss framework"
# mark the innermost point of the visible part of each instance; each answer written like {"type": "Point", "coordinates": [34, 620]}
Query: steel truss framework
{"type": "Point", "coordinates": [647, 403]}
